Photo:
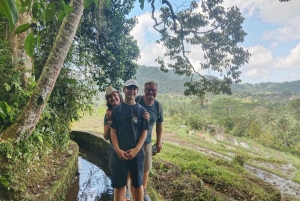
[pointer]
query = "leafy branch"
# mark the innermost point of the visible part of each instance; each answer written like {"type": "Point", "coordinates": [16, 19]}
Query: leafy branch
{"type": "Point", "coordinates": [219, 44]}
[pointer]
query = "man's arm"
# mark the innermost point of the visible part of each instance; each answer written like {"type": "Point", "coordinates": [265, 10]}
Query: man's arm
{"type": "Point", "coordinates": [159, 129]}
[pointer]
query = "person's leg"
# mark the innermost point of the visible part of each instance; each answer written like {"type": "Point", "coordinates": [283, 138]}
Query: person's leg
{"type": "Point", "coordinates": [128, 184]}
{"type": "Point", "coordinates": [139, 193]}
{"type": "Point", "coordinates": [132, 189]}
{"type": "Point", "coordinates": [147, 168]}
{"type": "Point", "coordinates": [145, 179]}
{"type": "Point", "coordinates": [120, 194]}
{"type": "Point", "coordinates": [119, 178]}
{"type": "Point", "coordinates": [136, 173]}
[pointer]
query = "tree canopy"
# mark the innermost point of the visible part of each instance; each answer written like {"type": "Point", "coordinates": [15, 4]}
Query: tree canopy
{"type": "Point", "coordinates": [216, 30]}
{"type": "Point", "coordinates": [105, 50]}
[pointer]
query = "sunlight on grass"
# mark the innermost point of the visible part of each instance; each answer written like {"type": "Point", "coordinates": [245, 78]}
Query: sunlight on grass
{"type": "Point", "coordinates": [258, 156]}
{"type": "Point", "coordinates": [93, 122]}
{"type": "Point", "coordinates": [220, 173]}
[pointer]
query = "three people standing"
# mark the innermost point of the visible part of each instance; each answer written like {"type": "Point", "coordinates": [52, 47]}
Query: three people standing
{"type": "Point", "coordinates": [131, 140]}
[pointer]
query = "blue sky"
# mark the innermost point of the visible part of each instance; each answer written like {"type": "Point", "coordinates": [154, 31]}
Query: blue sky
{"type": "Point", "coordinates": [273, 39]}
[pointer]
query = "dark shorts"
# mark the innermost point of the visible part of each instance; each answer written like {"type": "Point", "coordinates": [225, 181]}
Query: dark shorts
{"type": "Point", "coordinates": [120, 170]}
{"type": "Point", "coordinates": [110, 155]}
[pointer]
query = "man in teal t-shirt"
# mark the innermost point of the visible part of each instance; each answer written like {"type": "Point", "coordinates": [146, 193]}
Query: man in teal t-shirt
{"type": "Point", "coordinates": [155, 111]}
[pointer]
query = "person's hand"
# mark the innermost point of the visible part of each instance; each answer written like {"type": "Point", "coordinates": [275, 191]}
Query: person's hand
{"type": "Point", "coordinates": [146, 115]}
{"type": "Point", "coordinates": [109, 123]}
{"type": "Point", "coordinates": [108, 114]}
{"type": "Point", "coordinates": [122, 155]}
{"type": "Point", "coordinates": [131, 153]}
{"type": "Point", "coordinates": [158, 146]}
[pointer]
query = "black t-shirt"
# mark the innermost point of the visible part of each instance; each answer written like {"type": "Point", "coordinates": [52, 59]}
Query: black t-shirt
{"type": "Point", "coordinates": [128, 120]}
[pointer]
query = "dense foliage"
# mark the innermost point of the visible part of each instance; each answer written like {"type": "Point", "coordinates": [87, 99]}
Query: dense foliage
{"type": "Point", "coordinates": [266, 112]}
{"type": "Point", "coordinates": [216, 30]}
{"type": "Point", "coordinates": [105, 49]}
{"type": "Point", "coordinates": [71, 97]}
{"type": "Point", "coordinates": [273, 123]}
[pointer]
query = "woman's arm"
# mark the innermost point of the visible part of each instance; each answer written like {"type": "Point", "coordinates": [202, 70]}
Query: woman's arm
{"type": "Point", "coordinates": [106, 133]}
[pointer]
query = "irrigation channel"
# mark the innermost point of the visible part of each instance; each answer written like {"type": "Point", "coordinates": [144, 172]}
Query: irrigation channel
{"type": "Point", "coordinates": [93, 181]}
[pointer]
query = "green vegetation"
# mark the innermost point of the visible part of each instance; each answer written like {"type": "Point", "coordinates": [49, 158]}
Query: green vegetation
{"type": "Point", "coordinates": [274, 124]}
{"type": "Point", "coordinates": [170, 83]}
{"type": "Point", "coordinates": [182, 172]}
{"type": "Point", "coordinates": [221, 175]}
{"type": "Point", "coordinates": [36, 116]}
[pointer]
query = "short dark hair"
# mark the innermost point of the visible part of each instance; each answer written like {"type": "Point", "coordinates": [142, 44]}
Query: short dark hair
{"type": "Point", "coordinates": [150, 82]}
{"type": "Point", "coordinates": [109, 106]}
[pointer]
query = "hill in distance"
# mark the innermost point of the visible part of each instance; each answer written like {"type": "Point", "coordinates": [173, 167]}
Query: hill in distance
{"type": "Point", "coordinates": [173, 83]}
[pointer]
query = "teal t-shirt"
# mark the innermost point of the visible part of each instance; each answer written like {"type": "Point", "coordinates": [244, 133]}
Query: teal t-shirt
{"type": "Point", "coordinates": [154, 116]}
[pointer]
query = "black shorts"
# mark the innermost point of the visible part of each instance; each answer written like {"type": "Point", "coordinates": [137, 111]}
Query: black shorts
{"type": "Point", "coordinates": [120, 169]}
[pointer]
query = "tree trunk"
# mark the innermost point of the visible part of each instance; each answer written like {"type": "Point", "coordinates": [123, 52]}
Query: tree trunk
{"type": "Point", "coordinates": [21, 61]}
{"type": "Point", "coordinates": [30, 115]}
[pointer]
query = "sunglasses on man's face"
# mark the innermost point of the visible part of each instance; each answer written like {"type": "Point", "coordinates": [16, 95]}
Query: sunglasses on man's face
{"type": "Point", "coordinates": [153, 90]}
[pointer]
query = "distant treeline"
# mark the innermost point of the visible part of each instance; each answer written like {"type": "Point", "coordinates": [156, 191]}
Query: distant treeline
{"type": "Point", "coordinates": [173, 83]}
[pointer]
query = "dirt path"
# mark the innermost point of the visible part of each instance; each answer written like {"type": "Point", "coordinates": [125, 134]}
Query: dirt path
{"type": "Point", "coordinates": [286, 186]}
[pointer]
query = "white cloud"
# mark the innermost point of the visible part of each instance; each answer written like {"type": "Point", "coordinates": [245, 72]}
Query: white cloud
{"type": "Point", "coordinates": [292, 60]}
{"type": "Point", "coordinates": [144, 26]}
{"type": "Point", "coordinates": [260, 56]}
{"type": "Point", "coordinates": [285, 33]}
{"type": "Point", "coordinates": [274, 11]}
{"type": "Point", "coordinates": [258, 74]}
{"type": "Point", "coordinates": [286, 15]}
{"type": "Point", "coordinates": [258, 68]}
{"type": "Point", "coordinates": [271, 11]}
{"type": "Point", "coordinates": [146, 35]}
{"type": "Point", "coordinates": [273, 45]}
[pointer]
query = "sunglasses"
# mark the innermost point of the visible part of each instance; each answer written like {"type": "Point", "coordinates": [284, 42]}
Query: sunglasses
{"type": "Point", "coordinates": [153, 90]}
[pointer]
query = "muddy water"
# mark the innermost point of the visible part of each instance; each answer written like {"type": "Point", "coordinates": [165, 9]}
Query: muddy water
{"type": "Point", "coordinates": [286, 186]}
{"type": "Point", "coordinates": [93, 181]}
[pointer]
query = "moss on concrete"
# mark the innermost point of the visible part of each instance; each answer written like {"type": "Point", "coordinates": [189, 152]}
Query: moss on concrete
{"type": "Point", "coordinates": [66, 174]}
{"type": "Point", "coordinates": [90, 142]}
{"type": "Point", "coordinates": [54, 189]}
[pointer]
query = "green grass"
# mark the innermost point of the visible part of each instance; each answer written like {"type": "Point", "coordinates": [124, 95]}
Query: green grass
{"type": "Point", "coordinates": [257, 158]}
{"type": "Point", "coordinates": [219, 173]}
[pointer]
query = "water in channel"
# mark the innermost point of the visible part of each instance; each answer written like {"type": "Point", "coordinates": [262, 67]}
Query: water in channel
{"type": "Point", "coordinates": [93, 182]}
